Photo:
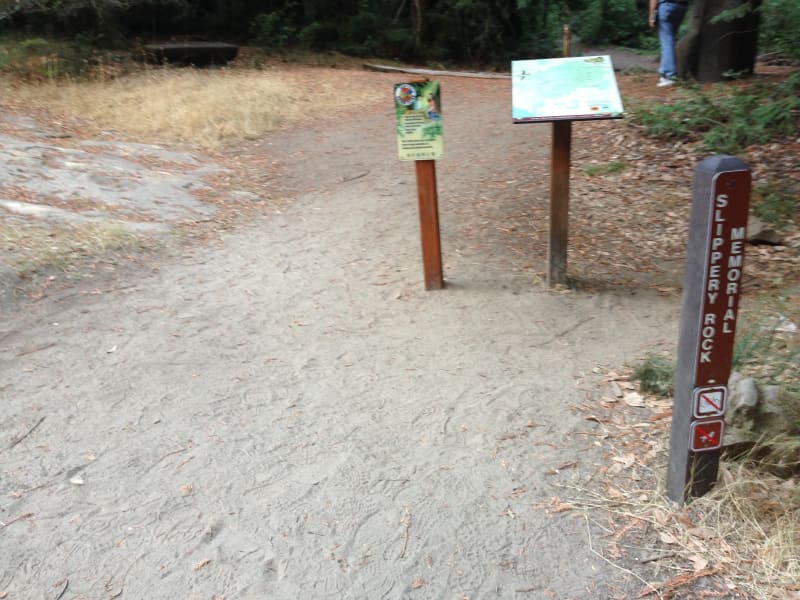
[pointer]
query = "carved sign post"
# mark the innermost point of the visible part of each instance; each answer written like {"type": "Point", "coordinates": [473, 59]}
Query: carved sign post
{"type": "Point", "coordinates": [712, 284]}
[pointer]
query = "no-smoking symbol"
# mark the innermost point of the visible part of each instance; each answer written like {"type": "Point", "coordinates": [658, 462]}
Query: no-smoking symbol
{"type": "Point", "coordinates": [709, 401]}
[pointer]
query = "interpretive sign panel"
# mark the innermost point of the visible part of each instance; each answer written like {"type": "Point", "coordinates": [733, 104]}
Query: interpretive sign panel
{"type": "Point", "coordinates": [564, 89]}
{"type": "Point", "coordinates": [712, 284]}
{"type": "Point", "coordinates": [418, 107]}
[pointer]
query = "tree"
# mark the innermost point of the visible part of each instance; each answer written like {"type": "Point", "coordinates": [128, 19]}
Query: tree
{"type": "Point", "coordinates": [722, 40]}
{"type": "Point", "coordinates": [76, 16]}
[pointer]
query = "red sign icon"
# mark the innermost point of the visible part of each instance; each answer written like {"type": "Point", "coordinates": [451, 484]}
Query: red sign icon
{"type": "Point", "coordinates": [706, 435]}
{"type": "Point", "coordinates": [709, 401]}
{"type": "Point", "coordinates": [724, 255]}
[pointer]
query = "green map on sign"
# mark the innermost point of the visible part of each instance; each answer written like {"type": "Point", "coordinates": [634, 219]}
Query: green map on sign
{"type": "Point", "coordinates": [582, 87]}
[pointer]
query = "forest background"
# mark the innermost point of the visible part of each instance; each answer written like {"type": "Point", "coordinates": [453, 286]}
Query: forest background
{"type": "Point", "coordinates": [84, 47]}
{"type": "Point", "coordinates": [476, 32]}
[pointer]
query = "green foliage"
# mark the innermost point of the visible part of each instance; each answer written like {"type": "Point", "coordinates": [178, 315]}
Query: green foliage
{"type": "Point", "coordinates": [270, 30]}
{"type": "Point", "coordinates": [726, 120]}
{"type": "Point", "coordinates": [605, 169]}
{"type": "Point", "coordinates": [543, 40]}
{"type": "Point", "coordinates": [760, 343]}
{"type": "Point", "coordinates": [42, 59]}
{"type": "Point", "coordinates": [780, 27]}
{"type": "Point", "coordinates": [319, 36]}
{"type": "Point", "coordinates": [733, 14]}
{"type": "Point", "coordinates": [480, 32]}
{"type": "Point", "coordinates": [656, 375]}
{"type": "Point", "coordinates": [762, 350]}
{"type": "Point", "coordinates": [776, 203]}
{"type": "Point", "coordinates": [612, 22]}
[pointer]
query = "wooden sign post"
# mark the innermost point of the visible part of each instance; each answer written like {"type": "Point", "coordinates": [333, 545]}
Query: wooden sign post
{"type": "Point", "coordinates": [561, 160]}
{"type": "Point", "coordinates": [418, 109]}
{"type": "Point", "coordinates": [429, 224]}
{"type": "Point", "coordinates": [559, 203]}
{"type": "Point", "coordinates": [712, 284]}
{"type": "Point", "coordinates": [562, 90]}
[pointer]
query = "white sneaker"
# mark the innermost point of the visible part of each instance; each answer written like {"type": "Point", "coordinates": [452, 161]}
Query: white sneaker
{"type": "Point", "coordinates": [665, 81]}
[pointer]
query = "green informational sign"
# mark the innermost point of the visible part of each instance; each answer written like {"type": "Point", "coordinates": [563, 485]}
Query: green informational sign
{"type": "Point", "coordinates": [564, 89]}
{"type": "Point", "coordinates": [418, 107]}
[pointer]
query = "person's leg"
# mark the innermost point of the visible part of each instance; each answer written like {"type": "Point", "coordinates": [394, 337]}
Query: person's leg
{"type": "Point", "coordinates": [666, 39]}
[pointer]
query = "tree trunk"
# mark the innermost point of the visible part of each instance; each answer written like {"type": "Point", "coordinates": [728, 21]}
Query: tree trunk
{"type": "Point", "coordinates": [416, 18]}
{"type": "Point", "coordinates": [710, 51]}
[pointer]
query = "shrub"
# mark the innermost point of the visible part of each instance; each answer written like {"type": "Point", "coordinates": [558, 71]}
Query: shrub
{"type": "Point", "coordinates": [611, 21]}
{"type": "Point", "coordinates": [272, 30]}
{"type": "Point", "coordinates": [780, 21]}
{"type": "Point", "coordinates": [656, 375]}
{"type": "Point", "coordinates": [40, 59]}
{"type": "Point", "coordinates": [776, 203]}
{"type": "Point", "coordinates": [726, 120]}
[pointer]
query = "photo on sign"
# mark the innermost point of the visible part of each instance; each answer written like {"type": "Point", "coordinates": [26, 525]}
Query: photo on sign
{"type": "Point", "coordinates": [418, 111]}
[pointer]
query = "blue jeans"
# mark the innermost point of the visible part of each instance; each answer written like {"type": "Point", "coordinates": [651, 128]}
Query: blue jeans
{"type": "Point", "coordinates": [670, 16]}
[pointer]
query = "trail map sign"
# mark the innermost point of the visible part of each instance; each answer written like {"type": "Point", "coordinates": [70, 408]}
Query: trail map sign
{"type": "Point", "coordinates": [574, 89]}
{"type": "Point", "coordinates": [562, 90]}
{"type": "Point", "coordinates": [418, 107]}
{"type": "Point", "coordinates": [712, 283]}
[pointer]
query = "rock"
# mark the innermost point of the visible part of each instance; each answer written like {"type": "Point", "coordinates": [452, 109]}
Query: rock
{"type": "Point", "coordinates": [735, 436]}
{"type": "Point", "coordinates": [771, 414]}
{"type": "Point", "coordinates": [759, 232]}
{"type": "Point", "coordinates": [742, 408]}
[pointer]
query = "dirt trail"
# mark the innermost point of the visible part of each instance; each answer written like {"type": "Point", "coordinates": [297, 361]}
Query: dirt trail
{"type": "Point", "coordinates": [288, 414]}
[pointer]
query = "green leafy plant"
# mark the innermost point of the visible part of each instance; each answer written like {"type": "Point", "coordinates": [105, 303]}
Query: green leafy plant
{"type": "Point", "coordinates": [780, 22]}
{"type": "Point", "coordinates": [40, 59]}
{"type": "Point", "coordinates": [273, 30]}
{"type": "Point", "coordinates": [767, 349]}
{"type": "Point", "coordinates": [656, 375]}
{"type": "Point", "coordinates": [761, 347]}
{"type": "Point", "coordinates": [776, 203]}
{"type": "Point", "coordinates": [605, 169]}
{"type": "Point", "coordinates": [724, 119]}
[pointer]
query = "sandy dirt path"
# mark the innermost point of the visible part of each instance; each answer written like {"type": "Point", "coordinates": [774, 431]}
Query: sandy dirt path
{"type": "Point", "coordinates": [288, 414]}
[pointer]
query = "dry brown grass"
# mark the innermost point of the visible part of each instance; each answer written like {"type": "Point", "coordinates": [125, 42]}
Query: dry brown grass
{"type": "Point", "coordinates": [37, 249]}
{"type": "Point", "coordinates": [203, 108]}
{"type": "Point", "coordinates": [742, 540]}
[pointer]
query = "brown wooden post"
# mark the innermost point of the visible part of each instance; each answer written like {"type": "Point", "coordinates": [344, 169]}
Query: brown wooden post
{"type": "Point", "coordinates": [559, 195]}
{"type": "Point", "coordinates": [559, 203]}
{"type": "Point", "coordinates": [429, 224]}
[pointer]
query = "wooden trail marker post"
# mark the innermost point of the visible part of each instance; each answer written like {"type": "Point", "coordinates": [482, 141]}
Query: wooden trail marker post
{"type": "Point", "coordinates": [562, 90]}
{"type": "Point", "coordinates": [429, 224]}
{"type": "Point", "coordinates": [419, 138]}
{"type": "Point", "coordinates": [561, 160]}
{"type": "Point", "coordinates": [712, 284]}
